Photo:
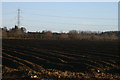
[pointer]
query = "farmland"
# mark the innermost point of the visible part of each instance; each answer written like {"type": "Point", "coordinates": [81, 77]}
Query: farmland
{"type": "Point", "coordinates": [80, 59]}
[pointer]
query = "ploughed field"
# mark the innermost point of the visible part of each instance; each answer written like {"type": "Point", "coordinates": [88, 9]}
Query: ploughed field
{"type": "Point", "coordinates": [60, 59]}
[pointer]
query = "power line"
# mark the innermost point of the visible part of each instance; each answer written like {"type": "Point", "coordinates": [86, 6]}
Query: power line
{"type": "Point", "coordinates": [74, 17]}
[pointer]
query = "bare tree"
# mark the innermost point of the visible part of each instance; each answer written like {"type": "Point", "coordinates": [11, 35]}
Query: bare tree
{"type": "Point", "coordinates": [73, 34]}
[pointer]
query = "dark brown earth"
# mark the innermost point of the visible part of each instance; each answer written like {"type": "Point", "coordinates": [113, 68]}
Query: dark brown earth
{"type": "Point", "coordinates": [60, 59]}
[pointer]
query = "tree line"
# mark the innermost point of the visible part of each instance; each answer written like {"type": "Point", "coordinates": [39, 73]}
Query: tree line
{"type": "Point", "coordinates": [20, 33]}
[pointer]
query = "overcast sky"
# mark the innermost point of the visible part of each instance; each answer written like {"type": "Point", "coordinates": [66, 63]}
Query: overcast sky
{"type": "Point", "coordinates": [62, 16]}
